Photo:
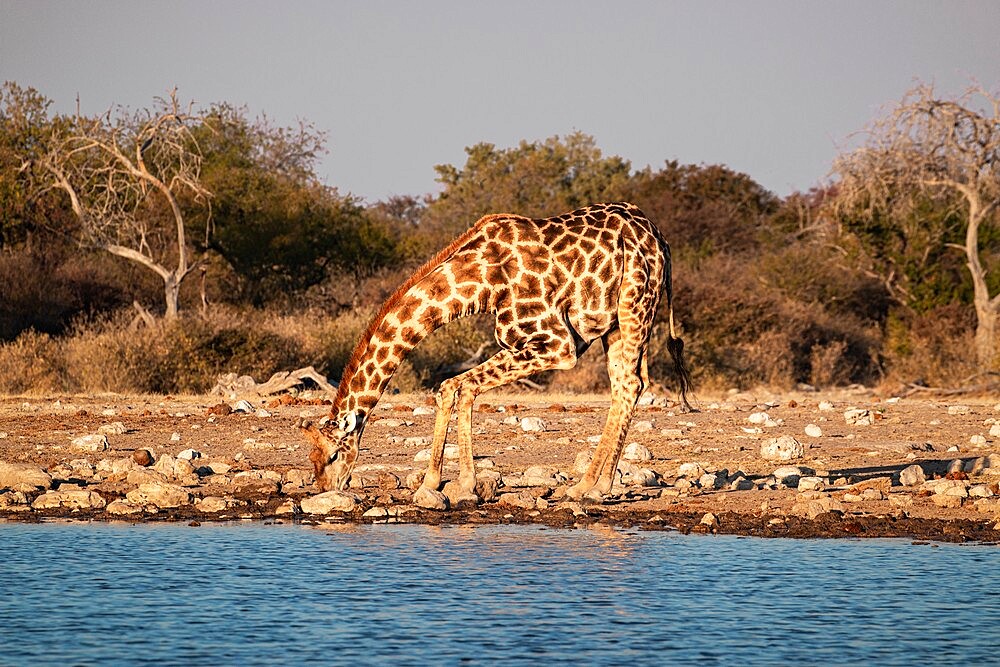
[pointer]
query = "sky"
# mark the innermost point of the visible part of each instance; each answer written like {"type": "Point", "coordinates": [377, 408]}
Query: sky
{"type": "Point", "coordinates": [773, 89]}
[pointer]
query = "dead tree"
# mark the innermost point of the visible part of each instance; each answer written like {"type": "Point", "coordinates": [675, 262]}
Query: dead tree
{"type": "Point", "coordinates": [127, 177]}
{"type": "Point", "coordinates": [946, 149]}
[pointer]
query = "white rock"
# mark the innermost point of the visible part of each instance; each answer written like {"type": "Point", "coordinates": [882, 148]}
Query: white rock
{"type": "Point", "coordinates": [339, 501]}
{"type": "Point", "coordinates": [980, 491]}
{"type": "Point", "coordinates": [709, 520]}
{"type": "Point", "coordinates": [825, 406]}
{"type": "Point", "coordinates": [69, 498]}
{"type": "Point", "coordinates": [430, 499]}
{"type": "Point", "coordinates": [758, 418]}
{"type": "Point", "coordinates": [175, 437]}
{"type": "Point", "coordinates": [376, 513]}
{"type": "Point", "coordinates": [90, 443]}
{"type": "Point", "coordinates": [261, 412]}
{"type": "Point", "coordinates": [784, 448]}
{"type": "Point", "coordinates": [212, 504]}
{"type": "Point", "coordinates": [423, 410]}
{"type": "Point", "coordinates": [189, 455]}
{"type": "Point", "coordinates": [995, 430]}
{"type": "Point", "coordinates": [690, 470]}
{"type": "Point", "coordinates": [416, 441]}
{"type": "Point", "coordinates": [636, 452]}
{"type": "Point", "coordinates": [790, 475]}
{"type": "Point", "coordinates": [814, 431]}
{"type": "Point", "coordinates": [912, 475]}
{"type": "Point", "coordinates": [160, 494]}
{"type": "Point", "coordinates": [642, 426]}
{"type": "Point", "coordinates": [23, 477]}
{"type": "Point", "coordinates": [958, 409]}
{"type": "Point", "coordinates": [532, 424]}
{"type": "Point", "coordinates": [977, 440]}
{"type": "Point", "coordinates": [122, 507]}
{"type": "Point", "coordinates": [243, 405]}
{"type": "Point", "coordinates": [811, 483]}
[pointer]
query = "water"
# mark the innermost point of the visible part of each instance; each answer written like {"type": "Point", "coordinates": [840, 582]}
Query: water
{"type": "Point", "coordinates": [155, 594]}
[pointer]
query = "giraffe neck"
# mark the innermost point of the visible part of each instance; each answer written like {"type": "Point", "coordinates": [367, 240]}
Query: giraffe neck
{"type": "Point", "coordinates": [407, 317]}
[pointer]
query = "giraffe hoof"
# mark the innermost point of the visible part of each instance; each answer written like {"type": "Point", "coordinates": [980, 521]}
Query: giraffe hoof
{"type": "Point", "coordinates": [592, 497]}
{"type": "Point", "coordinates": [430, 499]}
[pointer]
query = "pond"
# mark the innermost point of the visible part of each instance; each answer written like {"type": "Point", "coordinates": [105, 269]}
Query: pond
{"type": "Point", "coordinates": [254, 594]}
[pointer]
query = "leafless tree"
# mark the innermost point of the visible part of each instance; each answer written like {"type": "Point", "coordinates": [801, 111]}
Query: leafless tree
{"type": "Point", "coordinates": [948, 149]}
{"type": "Point", "coordinates": [128, 176]}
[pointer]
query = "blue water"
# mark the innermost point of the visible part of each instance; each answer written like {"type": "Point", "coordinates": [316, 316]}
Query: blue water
{"type": "Point", "coordinates": [251, 594]}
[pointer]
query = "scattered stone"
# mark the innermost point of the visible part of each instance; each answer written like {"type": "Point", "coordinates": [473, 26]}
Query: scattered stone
{"type": "Point", "coordinates": [122, 508]}
{"type": "Point", "coordinates": [331, 501]}
{"type": "Point", "coordinates": [23, 477]}
{"type": "Point", "coordinates": [784, 448]}
{"type": "Point", "coordinates": [175, 437]}
{"type": "Point", "coordinates": [642, 426]}
{"type": "Point", "coordinates": [790, 475]}
{"type": "Point", "coordinates": [423, 410]}
{"type": "Point", "coordinates": [995, 430]}
{"type": "Point", "coordinates": [162, 495]}
{"type": "Point", "coordinates": [825, 406]}
{"type": "Point", "coordinates": [814, 431]}
{"type": "Point", "coordinates": [758, 418]}
{"type": "Point", "coordinates": [213, 504]}
{"type": "Point", "coordinates": [881, 484]}
{"type": "Point", "coordinates": [243, 406]}
{"type": "Point", "coordinates": [709, 520]}
{"type": "Point", "coordinates": [981, 491]}
{"type": "Point", "coordinates": [262, 413]}
{"type": "Point", "coordinates": [958, 409]}
{"type": "Point", "coordinates": [114, 428]}
{"type": "Point", "coordinates": [414, 480]}
{"type": "Point", "coordinates": [532, 425]}
{"type": "Point", "coordinates": [691, 470]}
{"type": "Point", "coordinates": [977, 440]}
{"type": "Point", "coordinates": [376, 513]}
{"type": "Point", "coordinates": [912, 475]}
{"type": "Point", "coordinates": [521, 499]}
{"type": "Point", "coordinates": [143, 457]}
{"type": "Point", "coordinates": [69, 498]}
{"type": "Point", "coordinates": [636, 452]}
{"type": "Point", "coordinates": [486, 487]}
{"type": "Point", "coordinates": [429, 499]}
{"type": "Point", "coordinates": [287, 507]}
{"type": "Point", "coordinates": [859, 417]}
{"type": "Point", "coordinates": [942, 500]}
{"type": "Point", "coordinates": [90, 443]}
{"type": "Point", "coordinates": [189, 455]}
{"type": "Point", "coordinates": [811, 483]}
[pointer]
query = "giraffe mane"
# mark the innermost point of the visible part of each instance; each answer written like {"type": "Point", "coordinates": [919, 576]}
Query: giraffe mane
{"type": "Point", "coordinates": [358, 355]}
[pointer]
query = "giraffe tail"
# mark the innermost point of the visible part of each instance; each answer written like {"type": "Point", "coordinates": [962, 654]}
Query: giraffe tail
{"type": "Point", "coordinates": [675, 346]}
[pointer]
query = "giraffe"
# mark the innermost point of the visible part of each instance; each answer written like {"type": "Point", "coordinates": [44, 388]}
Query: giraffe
{"type": "Point", "coordinates": [555, 286]}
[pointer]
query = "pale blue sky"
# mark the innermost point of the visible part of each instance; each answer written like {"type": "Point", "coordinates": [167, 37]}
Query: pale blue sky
{"type": "Point", "coordinates": [767, 88]}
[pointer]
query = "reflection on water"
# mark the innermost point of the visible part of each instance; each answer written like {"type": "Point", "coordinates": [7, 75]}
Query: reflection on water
{"type": "Point", "coordinates": [100, 594]}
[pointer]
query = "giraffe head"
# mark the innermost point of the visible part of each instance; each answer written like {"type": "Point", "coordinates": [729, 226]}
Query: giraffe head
{"type": "Point", "coordinates": [335, 449]}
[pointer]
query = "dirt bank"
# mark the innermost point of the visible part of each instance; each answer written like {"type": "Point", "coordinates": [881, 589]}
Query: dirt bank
{"type": "Point", "coordinates": [254, 464]}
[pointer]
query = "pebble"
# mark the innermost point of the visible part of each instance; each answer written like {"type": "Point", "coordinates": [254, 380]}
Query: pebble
{"type": "Point", "coordinates": [859, 417]}
{"type": "Point", "coordinates": [790, 475]}
{"type": "Point", "coordinates": [175, 437]}
{"type": "Point", "coordinates": [814, 431]}
{"type": "Point", "coordinates": [242, 405]}
{"type": "Point", "coordinates": [758, 418]}
{"type": "Point", "coordinates": [958, 409]}
{"type": "Point", "coordinates": [825, 406]}
{"type": "Point", "coordinates": [811, 483]}
{"type": "Point", "coordinates": [423, 410]}
{"type": "Point", "coordinates": [691, 470]}
{"type": "Point", "coordinates": [784, 448]}
{"type": "Point", "coordinates": [977, 440]}
{"type": "Point", "coordinates": [642, 426]}
{"type": "Point", "coordinates": [189, 455]}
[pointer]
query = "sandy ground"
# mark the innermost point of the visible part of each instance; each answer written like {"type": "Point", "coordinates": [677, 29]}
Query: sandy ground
{"type": "Point", "coordinates": [721, 436]}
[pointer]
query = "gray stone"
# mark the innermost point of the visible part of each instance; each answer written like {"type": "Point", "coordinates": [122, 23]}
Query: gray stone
{"type": "Point", "coordinates": [486, 487]}
{"type": "Point", "coordinates": [532, 424]}
{"type": "Point", "coordinates": [636, 452]}
{"type": "Point", "coordinates": [912, 475]}
{"type": "Point", "coordinates": [23, 477]}
{"type": "Point", "coordinates": [189, 455]}
{"type": "Point", "coordinates": [331, 501]}
{"type": "Point", "coordinates": [784, 448]}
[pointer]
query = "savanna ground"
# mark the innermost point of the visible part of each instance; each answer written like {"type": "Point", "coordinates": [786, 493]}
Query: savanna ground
{"type": "Point", "coordinates": [848, 458]}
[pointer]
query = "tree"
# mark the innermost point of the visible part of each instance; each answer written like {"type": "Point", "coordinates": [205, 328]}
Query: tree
{"type": "Point", "coordinates": [273, 221]}
{"type": "Point", "coordinates": [127, 177]}
{"type": "Point", "coordinates": [535, 179]}
{"type": "Point", "coordinates": [937, 154]}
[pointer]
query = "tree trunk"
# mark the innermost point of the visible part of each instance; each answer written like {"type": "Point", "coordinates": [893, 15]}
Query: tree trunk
{"type": "Point", "coordinates": [172, 288]}
{"type": "Point", "coordinates": [986, 338]}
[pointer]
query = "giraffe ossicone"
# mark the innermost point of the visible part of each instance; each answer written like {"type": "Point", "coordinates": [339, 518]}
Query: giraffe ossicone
{"type": "Point", "coordinates": [554, 285]}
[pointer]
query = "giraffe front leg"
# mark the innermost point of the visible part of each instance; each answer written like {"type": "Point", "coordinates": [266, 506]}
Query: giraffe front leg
{"type": "Point", "coordinates": [464, 492]}
{"type": "Point", "coordinates": [428, 495]}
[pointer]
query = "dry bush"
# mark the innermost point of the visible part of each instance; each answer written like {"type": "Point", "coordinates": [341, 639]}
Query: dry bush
{"type": "Point", "coordinates": [32, 363]}
{"type": "Point", "coordinates": [934, 349]}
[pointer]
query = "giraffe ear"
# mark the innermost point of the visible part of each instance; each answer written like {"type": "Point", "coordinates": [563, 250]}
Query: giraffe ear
{"type": "Point", "coordinates": [349, 422]}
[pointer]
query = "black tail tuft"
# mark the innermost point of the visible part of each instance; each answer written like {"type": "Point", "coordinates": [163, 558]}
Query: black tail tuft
{"type": "Point", "coordinates": [676, 348]}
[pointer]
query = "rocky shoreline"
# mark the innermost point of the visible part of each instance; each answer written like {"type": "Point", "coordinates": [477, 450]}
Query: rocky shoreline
{"type": "Point", "coordinates": [790, 467]}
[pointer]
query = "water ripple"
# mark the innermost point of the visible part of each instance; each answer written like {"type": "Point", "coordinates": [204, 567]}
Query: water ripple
{"type": "Point", "coordinates": [115, 594]}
